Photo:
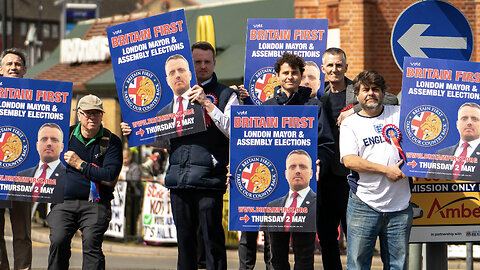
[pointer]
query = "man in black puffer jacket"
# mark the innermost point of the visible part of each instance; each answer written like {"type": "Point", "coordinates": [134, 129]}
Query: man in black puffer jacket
{"type": "Point", "coordinates": [289, 69]}
{"type": "Point", "coordinates": [197, 174]}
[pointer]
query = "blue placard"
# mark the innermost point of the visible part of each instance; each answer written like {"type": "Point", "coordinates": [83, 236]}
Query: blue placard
{"type": "Point", "coordinates": [268, 39]}
{"type": "Point", "coordinates": [25, 105]}
{"type": "Point", "coordinates": [139, 51]}
{"type": "Point", "coordinates": [261, 139]}
{"type": "Point", "coordinates": [433, 126]}
{"type": "Point", "coordinates": [432, 29]}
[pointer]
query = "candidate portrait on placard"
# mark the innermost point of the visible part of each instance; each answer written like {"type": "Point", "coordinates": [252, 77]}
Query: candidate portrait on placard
{"type": "Point", "coordinates": [145, 89]}
{"type": "Point", "coordinates": [298, 173]}
{"type": "Point", "coordinates": [465, 153]}
{"type": "Point", "coordinates": [189, 115]}
{"type": "Point", "coordinates": [49, 169]}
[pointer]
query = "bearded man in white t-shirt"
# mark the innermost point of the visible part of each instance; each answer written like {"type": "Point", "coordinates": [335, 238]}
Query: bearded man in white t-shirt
{"type": "Point", "coordinates": [379, 202]}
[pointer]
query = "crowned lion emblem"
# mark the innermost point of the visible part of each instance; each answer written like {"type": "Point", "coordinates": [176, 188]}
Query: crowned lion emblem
{"type": "Point", "coordinates": [431, 127]}
{"type": "Point", "coordinates": [146, 91]}
{"type": "Point", "coordinates": [12, 148]}
{"type": "Point", "coordinates": [268, 90]}
{"type": "Point", "coordinates": [261, 178]}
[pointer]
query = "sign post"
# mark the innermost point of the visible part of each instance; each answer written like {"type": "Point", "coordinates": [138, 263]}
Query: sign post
{"type": "Point", "coordinates": [431, 29]}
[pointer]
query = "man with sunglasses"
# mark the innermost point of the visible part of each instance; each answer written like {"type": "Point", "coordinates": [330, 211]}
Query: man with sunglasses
{"type": "Point", "coordinates": [94, 159]}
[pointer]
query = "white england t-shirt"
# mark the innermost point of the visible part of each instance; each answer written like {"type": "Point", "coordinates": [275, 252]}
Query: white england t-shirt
{"type": "Point", "coordinates": [362, 136]}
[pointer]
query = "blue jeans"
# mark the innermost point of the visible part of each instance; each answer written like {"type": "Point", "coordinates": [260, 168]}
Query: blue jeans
{"type": "Point", "coordinates": [364, 225]}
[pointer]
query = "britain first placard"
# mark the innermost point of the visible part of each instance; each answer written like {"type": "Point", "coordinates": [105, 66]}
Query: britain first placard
{"type": "Point", "coordinates": [151, 61]}
{"type": "Point", "coordinates": [441, 119]}
{"type": "Point", "coordinates": [268, 39]}
{"type": "Point", "coordinates": [272, 162]}
{"type": "Point", "coordinates": [34, 117]}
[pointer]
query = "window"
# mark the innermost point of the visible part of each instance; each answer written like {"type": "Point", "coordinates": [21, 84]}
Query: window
{"type": "Point", "coordinates": [333, 16]}
{"type": "Point", "coordinates": [46, 30]}
{"type": "Point", "coordinates": [54, 30]}
{"type": "Point", "coordinates": [9, 28]}
{"type": "Point", "coordinates": [23, 29]}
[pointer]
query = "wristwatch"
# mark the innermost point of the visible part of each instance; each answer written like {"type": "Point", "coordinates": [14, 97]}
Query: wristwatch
{"type": "Point", "coordinates": [83, 165]}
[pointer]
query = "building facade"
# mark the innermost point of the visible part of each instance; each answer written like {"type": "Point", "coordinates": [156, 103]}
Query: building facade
{"type": "Point", "coordinates": [365, 28]}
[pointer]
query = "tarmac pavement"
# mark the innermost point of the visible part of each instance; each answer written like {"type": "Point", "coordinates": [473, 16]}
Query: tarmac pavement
{"type": "Point", "coordinates": [110, 246]}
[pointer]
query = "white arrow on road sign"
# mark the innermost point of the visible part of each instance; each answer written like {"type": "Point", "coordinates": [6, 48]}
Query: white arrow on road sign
{"type": "Point", "coordinates": [413, 40]}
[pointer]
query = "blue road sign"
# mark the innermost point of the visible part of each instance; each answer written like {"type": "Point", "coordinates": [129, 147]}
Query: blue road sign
{"type": "Point", "coordinates": [432, 29]}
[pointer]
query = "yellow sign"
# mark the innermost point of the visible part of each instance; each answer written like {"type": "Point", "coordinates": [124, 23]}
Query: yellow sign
{"type": "Point", "coordinates": [231, 237]}
{"type": "Point", "coordinates": [445, 202]}
{"type": "Point", "coordinates": [206, 29]}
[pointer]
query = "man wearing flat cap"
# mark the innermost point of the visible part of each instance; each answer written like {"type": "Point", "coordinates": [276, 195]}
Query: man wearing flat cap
{"type": "Point", "coordinates": [94, 160]}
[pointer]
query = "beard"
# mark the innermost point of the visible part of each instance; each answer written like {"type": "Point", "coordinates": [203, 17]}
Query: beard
{"type": "Point", "coordinates": [371, 104]}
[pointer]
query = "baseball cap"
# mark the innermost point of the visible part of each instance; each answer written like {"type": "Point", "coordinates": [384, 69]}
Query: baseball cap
{"type": "Point", "coordinates": [90, 102]}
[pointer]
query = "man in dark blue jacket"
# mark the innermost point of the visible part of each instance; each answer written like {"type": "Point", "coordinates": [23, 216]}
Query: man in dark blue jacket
{"type": "Point", "coordinates": [94, 159]}
{"type": "Point", "coordinates": [289, 70]}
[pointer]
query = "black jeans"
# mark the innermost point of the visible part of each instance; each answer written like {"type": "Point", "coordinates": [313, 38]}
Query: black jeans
{"type": "Point", "coordinates": [247, 251]}
{"type": "Point", "coordinates": [331, 210]}
{"type": "Point", "coordinates": [92, 218]}
{"type": "Point", "coordinates": [190, 208]}
{"type": "Point", "coordinates": [303, 244]}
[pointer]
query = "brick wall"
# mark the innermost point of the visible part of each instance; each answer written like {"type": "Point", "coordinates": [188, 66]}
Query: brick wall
{"type": "Point", "coordinates": [365, 31]}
